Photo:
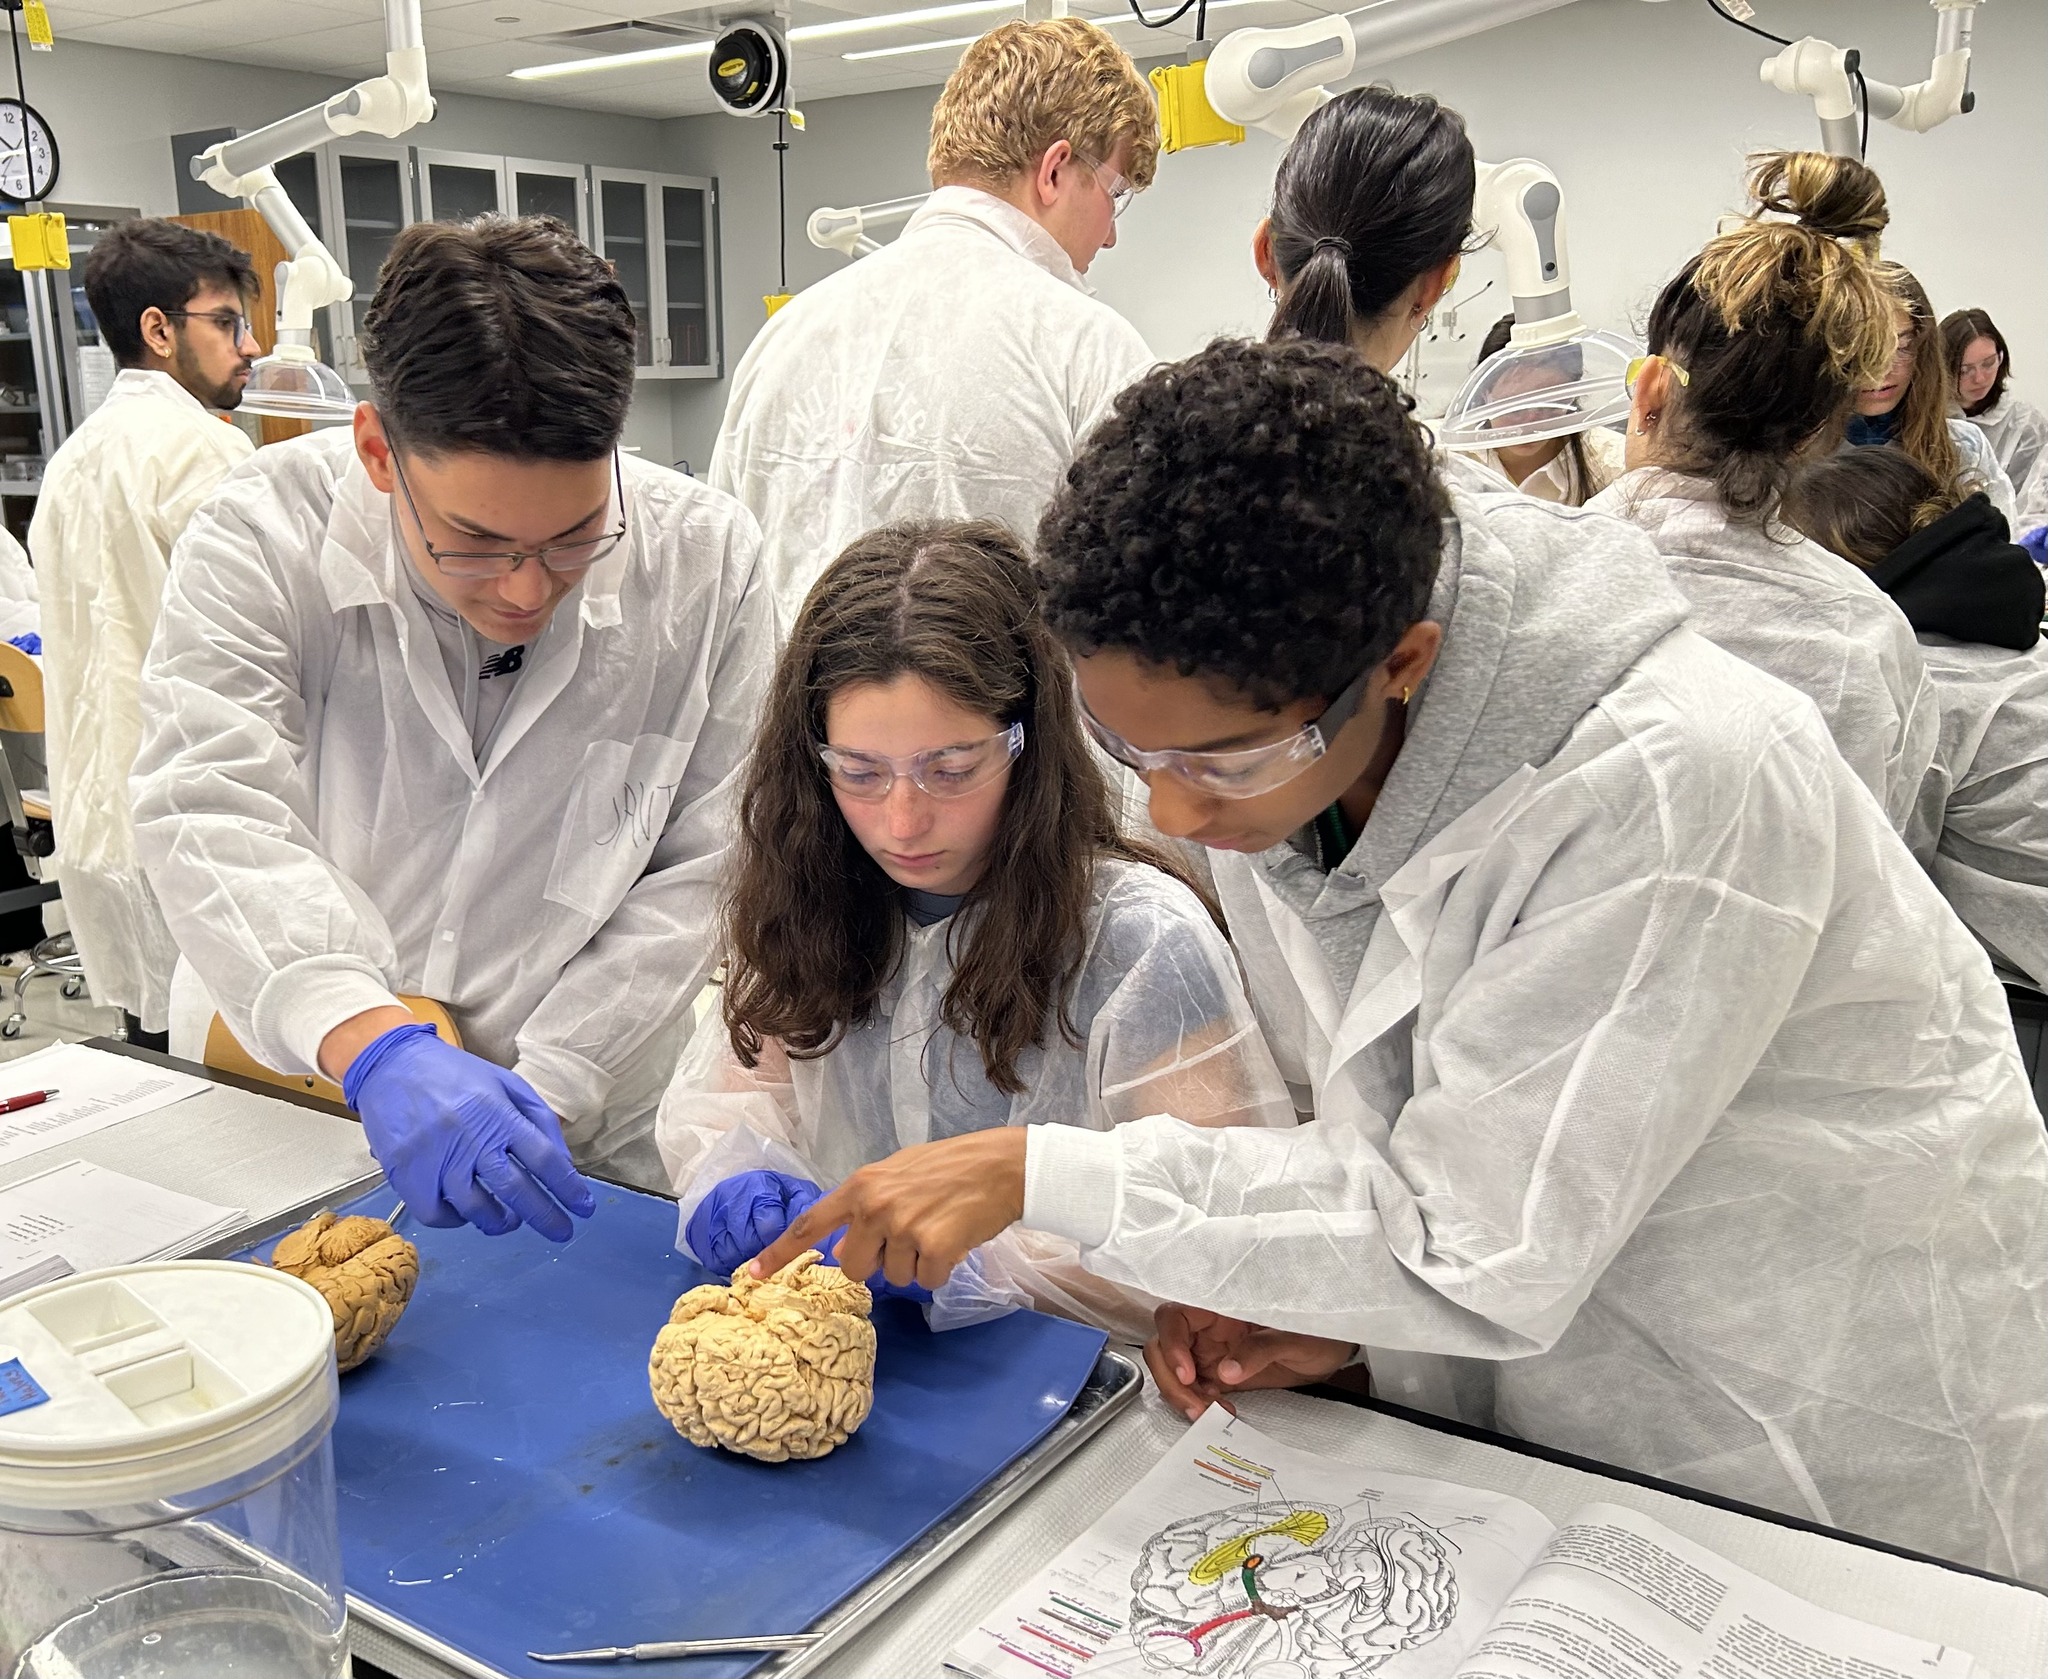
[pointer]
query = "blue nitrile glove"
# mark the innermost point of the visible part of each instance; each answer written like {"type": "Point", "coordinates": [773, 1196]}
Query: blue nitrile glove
{"type": "Point", "coordinates": [2036, 543]}
{"type": "Point", "coordinates": [30, 643]}
{"type": "Point", "coordinates": [743, 1214]}
{"type": "Point", "coordinates": [878, 1285]}
{"type": "Point", "coordinates": [461, 1139]}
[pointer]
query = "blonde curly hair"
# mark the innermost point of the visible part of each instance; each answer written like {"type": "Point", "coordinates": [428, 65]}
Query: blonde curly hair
{"type": "Point", "coordinates": [1024, 85]}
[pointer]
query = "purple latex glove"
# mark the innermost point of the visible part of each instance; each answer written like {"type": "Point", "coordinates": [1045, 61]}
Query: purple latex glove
{"type": "Point", "coordinates": [747, 1211]}
{"type": "Point", "coordinates": [743, 1214]}
{"type": "Point", "coordinates": [462, 1140]}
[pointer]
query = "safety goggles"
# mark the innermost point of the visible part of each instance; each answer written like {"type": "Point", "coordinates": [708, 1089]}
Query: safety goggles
{"type": "Point", "coordinates": [558, 557]}
{"type": "Point", "coordinates": [1120, 190]}
{"type": "Point", "coordinates": [1634, 371]}
{"type": "Point", "coordinates": [1243, 774]}
{"type": "Point", "coordinates": [945, 772]}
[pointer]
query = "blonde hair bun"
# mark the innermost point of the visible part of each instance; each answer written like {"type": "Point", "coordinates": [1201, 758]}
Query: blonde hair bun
{"type": "Point", "coordinates": [1816, 272]}
{"type": "Point", "coordinates": [1835, 196]}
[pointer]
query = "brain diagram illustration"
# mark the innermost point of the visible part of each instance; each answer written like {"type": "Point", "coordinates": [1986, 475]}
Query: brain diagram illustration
{"type": "Point", "coordinates": [1289, 1589]}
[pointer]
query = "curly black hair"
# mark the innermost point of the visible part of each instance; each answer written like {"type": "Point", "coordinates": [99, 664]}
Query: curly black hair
{"type": "Point", "coordinates": [1264, 513]}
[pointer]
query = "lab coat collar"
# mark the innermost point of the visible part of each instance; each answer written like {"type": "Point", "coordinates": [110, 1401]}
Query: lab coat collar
{"type": "Point", "coordinates": [133, 382]}
{"type": "Point", "coordinates": [971, 206]}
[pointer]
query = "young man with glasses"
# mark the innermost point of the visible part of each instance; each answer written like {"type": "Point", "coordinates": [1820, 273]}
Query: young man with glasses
{"type": "Point", "coordinates": [450, 707]}
{"type": "Point", "coordinates": [1660, 1100]}
{"type": "Point", "coordinates": [954, 373]}
{"type": "Point", "coordinates": [171, 304]}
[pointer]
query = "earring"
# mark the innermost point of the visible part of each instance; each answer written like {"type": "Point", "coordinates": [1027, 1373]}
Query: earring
{"type": "Point", "coordinates": [1405, 692]}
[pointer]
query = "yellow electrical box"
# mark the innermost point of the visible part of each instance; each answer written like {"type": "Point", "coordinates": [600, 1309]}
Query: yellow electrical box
{"type": "Point", "coordinates": [775, 300]}
{"type": "Point", "coordinates": [39, 241]}
{"type": "Point", "coordinates": [1186, 118]}
{"type": "Point", "coordinates": [40, 37]}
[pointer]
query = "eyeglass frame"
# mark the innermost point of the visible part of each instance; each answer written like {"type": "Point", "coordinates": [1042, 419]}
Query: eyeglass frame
{"type": "Point", "coordinates": [516, 556]}
{"type": "Point", "coordinates": [1307, 744]}
{"type": "Point", "coordinates": [1634, 371]}
{"type": "Point", "coordinates": [1119, 188]}
{"type": "Point", "coordinates": [1997, 361]}
{"type": "Point", "coordinates": [914, 764]}
{"type": "Point", "coordinates": [238, 324]}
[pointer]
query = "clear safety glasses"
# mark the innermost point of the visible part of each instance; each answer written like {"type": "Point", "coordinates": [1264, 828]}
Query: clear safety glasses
{"type": "Point", "coordinates": [1120, 191]}
{"type": "Point", "coordinates": [1634, 371]}
{"type": "Point", "coordinates": [1236, 775]}
{"type": "Point", "coordinates": [558, 557]}
{"type": "Point", "coordinates": [945, 772]}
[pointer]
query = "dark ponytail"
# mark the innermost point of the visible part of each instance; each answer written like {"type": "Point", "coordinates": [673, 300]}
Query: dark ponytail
{"type": "Point", "coordinates": [1376, 189]}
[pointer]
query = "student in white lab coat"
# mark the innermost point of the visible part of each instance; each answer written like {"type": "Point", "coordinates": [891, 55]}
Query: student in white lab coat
{"type": "Point", "coordinates": [1974, 597]}
{"type": "Point", "coordinates": [1760, 343]}
{"type": "Point", "coordinates": [172, 306]}
{"type": "Point", "coordinates": [1664, 1111]}
{"type": "Point", "coordinates": [1910, 403]}
{"type": "Point", "coordinates": [953, 373]}
{"type": "Point", "coordinates": [451, 706]}
{"type": "Point", "coordinates": [1980, 364]}
{"type": "Point", "coordinates": [934, 926]}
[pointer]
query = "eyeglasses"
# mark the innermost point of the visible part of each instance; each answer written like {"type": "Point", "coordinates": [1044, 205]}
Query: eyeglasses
{"type": "Point", "coordinates": [557, 557]}
{"type": "Point", "coordinates": [235, 326]}
{"type": "Point", "coordinates": [1120, 190]}
{"type": "Point", "coordinates": [1236, 775]}
{"type": "Point", "coordinates": [1975, 369]}
{"type": "Point", "coordinates": [945, 772]}
{"type": "Point", "coordinates": [1631, 373]}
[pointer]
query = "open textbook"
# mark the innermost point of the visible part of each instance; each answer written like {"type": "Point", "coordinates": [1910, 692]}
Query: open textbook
{"type": "Point", "coordinates": [1239, 1558]}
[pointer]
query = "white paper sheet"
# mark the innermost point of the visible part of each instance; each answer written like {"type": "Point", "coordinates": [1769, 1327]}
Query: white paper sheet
{"type": "Point", "coordinates": [79, 1217]}
{"type": "Point", "coordinates": [96, 1090]}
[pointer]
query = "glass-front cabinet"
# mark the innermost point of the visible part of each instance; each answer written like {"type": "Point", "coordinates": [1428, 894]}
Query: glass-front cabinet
{"type": "Point", "coordinates": [660, 233]}
{"type": "Point", "coordinates": [457, 186]}
{"type": "Point", "coordinates": [550, 189]}
{"type": "Point", "coordinates": [370, 199]}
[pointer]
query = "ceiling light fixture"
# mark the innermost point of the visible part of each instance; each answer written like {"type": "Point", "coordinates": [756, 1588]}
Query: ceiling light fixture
{"type": "Point", "coordinates": [825, 32]}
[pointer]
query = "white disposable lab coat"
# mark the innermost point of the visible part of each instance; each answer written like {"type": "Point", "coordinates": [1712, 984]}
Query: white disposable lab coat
{"type": "Point", "coordinates": [115, 496]}
{"type": "Point", "coordinates": [1982, 825]}
{"type": "Point", "coordinates": [322, 836]}
{"type": "Point", "coordinates": [1164, 1027]}
{"type": "Point", "coordinates": [1808, 617]}
{"type": "Point", "coordinates": [1982, 465]}
{"type": "Point", "coordinates": [950, 375]}
{"type": "Point", "coordinates": [2018, 434]}
{"type": "Point", "coordinates": [1670, 1116]}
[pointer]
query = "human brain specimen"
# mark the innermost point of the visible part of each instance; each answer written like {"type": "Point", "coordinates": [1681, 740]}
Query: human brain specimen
{"type": "Point", "coordinates": [363, 1267]}
{"type": "Point", "coordinates": [776, 1368]}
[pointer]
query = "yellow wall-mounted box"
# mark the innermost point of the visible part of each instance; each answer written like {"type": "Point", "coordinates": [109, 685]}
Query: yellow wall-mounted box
{"type": "Point", "coordinates": [39, 241]}
{"type": "Point", "coordinates": [1186, 118]}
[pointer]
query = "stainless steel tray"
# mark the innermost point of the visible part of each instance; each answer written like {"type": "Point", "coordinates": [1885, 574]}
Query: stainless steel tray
{"type": "Point", "coordinates": [407, 1652]}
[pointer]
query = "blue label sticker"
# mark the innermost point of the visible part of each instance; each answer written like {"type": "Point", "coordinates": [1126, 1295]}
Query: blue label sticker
{"type": "Point", "coordinates": [18, 1389]}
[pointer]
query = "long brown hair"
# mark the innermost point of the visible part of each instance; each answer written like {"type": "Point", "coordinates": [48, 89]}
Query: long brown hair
{"type": "Point", "coordinates": [813, 926]}
{"type": "Point", "coordinates": [1777, 322]}
{"type": "Point", "coordinates": [1959, 330]}
{"type": "Point", "coordinates": [1863, 503]}
{"type": "Point", "coordinates": [1921, 429]}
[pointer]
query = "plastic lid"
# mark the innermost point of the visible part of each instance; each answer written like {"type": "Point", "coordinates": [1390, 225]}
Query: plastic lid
{"type": "Point", "coordinates": [1530, 392]}
{"type": "Point", "coordinates": [298, 387]}
{"type": "Point", "coordinates": [149, 1382]}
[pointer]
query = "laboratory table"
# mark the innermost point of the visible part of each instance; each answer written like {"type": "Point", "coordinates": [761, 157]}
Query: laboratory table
{"type": "Point", "coordinates": [277, 1154]}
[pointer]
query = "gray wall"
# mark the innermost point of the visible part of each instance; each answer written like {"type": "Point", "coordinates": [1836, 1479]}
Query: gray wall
{"type": "Point", "coordinates": [1645, 112]}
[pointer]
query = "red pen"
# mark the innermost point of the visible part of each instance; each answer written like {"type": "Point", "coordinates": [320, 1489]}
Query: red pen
{"type": "Point", "coordinates": [34, 1098]}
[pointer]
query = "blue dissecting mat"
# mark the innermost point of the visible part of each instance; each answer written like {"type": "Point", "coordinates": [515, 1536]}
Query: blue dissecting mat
{"type": "Point", "coordinates": [507, 1485]}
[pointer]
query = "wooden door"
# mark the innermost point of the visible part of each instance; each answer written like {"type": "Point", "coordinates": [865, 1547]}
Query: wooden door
{"type": "Point", "coordinates": [246, 230]}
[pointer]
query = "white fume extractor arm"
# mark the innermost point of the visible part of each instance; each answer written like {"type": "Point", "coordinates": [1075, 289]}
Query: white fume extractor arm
{"type": "Point", "coordinates": [1273, 78]}
{"type": "Point", "coordinates": [1830, 76]}
{"type": "Point", "coordinates": [846, 231]}
{"type": "Point", "coordinates": [289, 381]}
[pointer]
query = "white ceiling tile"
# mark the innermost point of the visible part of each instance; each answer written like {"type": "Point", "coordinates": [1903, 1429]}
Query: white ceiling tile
{"type": "Point", "coordinates": [530, 17]}
{"type": "Point", "coordinates": [147, 35]}
{"type": "Point", "coordinates": [248, 21]}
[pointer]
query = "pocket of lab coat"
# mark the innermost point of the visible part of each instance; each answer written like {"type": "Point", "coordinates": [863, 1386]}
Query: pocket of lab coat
{"type": "Point", "coordinates": [619, 803]}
